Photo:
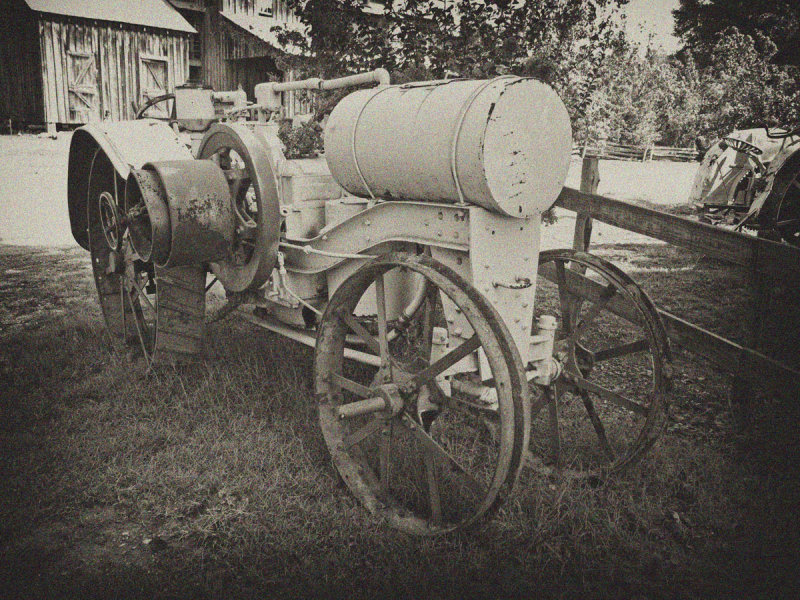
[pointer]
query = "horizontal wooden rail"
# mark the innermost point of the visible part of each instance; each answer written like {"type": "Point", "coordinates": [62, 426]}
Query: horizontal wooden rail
{"type": "Point", "coordinates": [761, 258]}
{"type": "Point", "coordinates": [769, 258]}
{"type": "Point", "coordinates": [723, 353]}
{"type": "Point", "coordinates": [611, 150]}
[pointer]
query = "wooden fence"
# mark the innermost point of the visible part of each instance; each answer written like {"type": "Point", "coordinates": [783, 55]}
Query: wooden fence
{"type": "Point", "coordinates": [764, 260]}
{"type": "Point", "coordinates": [610, 150]}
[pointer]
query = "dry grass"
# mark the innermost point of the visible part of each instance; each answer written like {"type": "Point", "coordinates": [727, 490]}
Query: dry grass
{"type": "Point", "coordinates": [214, 481]}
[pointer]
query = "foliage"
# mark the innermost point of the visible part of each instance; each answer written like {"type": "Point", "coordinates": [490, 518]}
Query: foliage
{"type": "Point", "coordinates": [700, 23]}
{"type": "Point", "coordinates": [731, 73]}
{"type": "Point", "coordinates": [562, 41]}
{"type": "Point", "coordinates": [302, 141]}
{"type": "Point", "coordinates": [743, 87]}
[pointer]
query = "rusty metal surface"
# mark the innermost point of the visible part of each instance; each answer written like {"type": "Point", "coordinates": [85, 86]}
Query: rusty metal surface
{"type": "Point", "coordinates": [443, 225]}
{"type": "Point", "coordinates": [147, 216]}
{"type": "Point", "coordinates": [503, 144]}
{"type": "Point", "coordinates": [201, 220]}
{"type": "Point", "coordinates": [255, 271]}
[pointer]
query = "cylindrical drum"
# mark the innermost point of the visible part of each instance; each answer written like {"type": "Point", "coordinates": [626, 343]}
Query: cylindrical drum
{"type": "Point", "coordinates": [201, 222]}
{"type": "Point", "coordinates": [503, 144]}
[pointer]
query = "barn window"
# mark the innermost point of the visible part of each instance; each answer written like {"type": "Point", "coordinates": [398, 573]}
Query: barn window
{"type": "Point", "coordinates": [154, 81]}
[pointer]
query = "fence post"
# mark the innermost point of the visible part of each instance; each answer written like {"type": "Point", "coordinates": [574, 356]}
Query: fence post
{"type": "Point", "coordinates": [742, 391]}
{"type": "Point", "coordinates": [590, 179]}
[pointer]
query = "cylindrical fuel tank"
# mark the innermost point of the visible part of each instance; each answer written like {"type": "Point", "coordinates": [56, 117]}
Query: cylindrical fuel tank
{"type": "Point", "coordinates": [503, 144]}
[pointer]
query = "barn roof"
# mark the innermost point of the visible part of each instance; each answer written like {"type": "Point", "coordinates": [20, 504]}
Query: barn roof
{"type": "Point", "coordinates": [149, 13]}
{"type": "Point", "coordinates": [261, 27]}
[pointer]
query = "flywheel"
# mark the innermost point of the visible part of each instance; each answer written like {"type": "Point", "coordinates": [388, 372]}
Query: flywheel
{"type": "Point", "coordinates": [245, 162]}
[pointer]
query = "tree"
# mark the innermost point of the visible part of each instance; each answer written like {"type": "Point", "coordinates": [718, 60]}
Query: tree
{"type": "Point", "coordinates": [699, 23]}
{"type": "Point", "coordinates": [743, 87]}
{"type": "Point", "coordinates": [563, 41]}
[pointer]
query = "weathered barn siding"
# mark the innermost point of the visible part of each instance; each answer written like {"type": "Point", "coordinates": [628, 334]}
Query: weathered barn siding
{"type": "Point", "coordinates": [234, 56]}
{"type": "Point", "coordinates": [20, 77]}
{"type": "Point", "coordinates": [225, 45]}
{"type": "Point", "coordinates": [93, 70]}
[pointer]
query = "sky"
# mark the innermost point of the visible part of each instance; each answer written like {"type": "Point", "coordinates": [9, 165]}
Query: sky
{"type": "Point", "coordinates": [654, 17]}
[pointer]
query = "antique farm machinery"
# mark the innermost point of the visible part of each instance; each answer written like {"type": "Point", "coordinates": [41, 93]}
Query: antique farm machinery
{"type": "Point", "coordinates": [751, 180]}
{"type": "Point", "coordinates": [408, 257]}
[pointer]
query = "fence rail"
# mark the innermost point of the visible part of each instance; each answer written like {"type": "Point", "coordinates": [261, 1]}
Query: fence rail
{"type": "Point", "coordinates": [610, 150]}
{"type": "Point", "coordinates": [763, 259]}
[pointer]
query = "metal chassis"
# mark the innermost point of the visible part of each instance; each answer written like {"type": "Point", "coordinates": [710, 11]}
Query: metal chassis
{"type": "Point", "coordinates": [498, 255]}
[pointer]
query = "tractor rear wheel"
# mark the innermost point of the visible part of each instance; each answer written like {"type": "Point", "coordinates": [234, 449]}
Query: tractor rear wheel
{"type": "Point", "coordinates": [152, 312]}
{"type": "Point", "coordinates": [406, 438]}
{"type": "Point", "coordinates": [779, 218]}
{"type": "Point", "coordinates": [609, 405]}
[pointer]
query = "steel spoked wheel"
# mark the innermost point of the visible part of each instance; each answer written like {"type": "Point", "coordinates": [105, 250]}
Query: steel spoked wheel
{"type": "Point", "coordinates": [609, 405]}
{"type": "Point", "coordinates": [780, 214]}
{"type": "Point", "coordinates": [243, 159]}
{"type": "Point", "coordinates": [410, 436]}
{"type": "Point", "coordinates": [151, 312]}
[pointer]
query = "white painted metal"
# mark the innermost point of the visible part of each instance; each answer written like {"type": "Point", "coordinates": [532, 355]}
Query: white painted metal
{"type": "Point", "coordinates": [503, 144]}
{"type": "Point", "coordinates": [268, 93]}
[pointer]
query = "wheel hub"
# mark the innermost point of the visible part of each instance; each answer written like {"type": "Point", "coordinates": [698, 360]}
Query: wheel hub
{"type": "Point", "coordinates": [109, 219]}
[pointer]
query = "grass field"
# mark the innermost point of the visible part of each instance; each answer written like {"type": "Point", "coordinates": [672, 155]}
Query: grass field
{"type": "Point", "coordinates": [214, 482]}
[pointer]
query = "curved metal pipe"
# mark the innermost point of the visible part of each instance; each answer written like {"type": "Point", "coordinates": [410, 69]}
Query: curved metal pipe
{"type": "Point", "coordinates": [408, 312]}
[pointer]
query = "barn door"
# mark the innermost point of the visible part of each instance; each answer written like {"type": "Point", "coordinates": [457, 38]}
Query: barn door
{"type": "Point", "coordinates": [84, 101]}
{"type": "Point", "coordinates": [154, 82]}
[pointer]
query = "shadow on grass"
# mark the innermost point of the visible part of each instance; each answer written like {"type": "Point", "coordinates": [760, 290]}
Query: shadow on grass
{"type": "Point", "coordinates": [214, 481]}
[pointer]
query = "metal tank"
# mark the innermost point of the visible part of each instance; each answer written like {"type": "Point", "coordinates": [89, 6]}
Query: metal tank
{"type": "Point", "coordinates": [506, 147]}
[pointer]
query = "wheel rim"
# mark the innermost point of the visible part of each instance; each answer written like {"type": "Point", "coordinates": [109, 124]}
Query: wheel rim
{"type": "Point", "coordinates": [609, 405]}
{"type": "Point", "coordinates": [780, 214]}
{"type": "Point", "coordinates": [246, 165]}
{"type": "Point", "coordinates": [437, 462]}
{"type": "Point", "coordinates": [787, 220]}
{"type": "Point", "coordinates": [113, 265]}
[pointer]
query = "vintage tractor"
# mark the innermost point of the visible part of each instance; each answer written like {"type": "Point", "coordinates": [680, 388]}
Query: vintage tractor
{"type": "Point", "coordinates": [408, 257]}
{"type": "Point", "coordinates": [751, 180]}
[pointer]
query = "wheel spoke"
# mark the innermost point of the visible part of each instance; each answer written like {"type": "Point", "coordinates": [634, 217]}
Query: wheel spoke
{"type": "Point", "coordinates": [606, 394]}
{"type": "Point", "coordinates": [385, 455]}
{"type": "Point", "coordinates": [551, 393]}
{"type": "Point", "coordinates": [360, 331]}
{"type": "Point", "coordinates": [445, 362]}
{"type": "Point", "coordinates": [142, 294]}
{"type": "Point", "coordinates": [139, 332]}
{"type": "Point", "coordinates": [437, 452]}
{"type": "Point", "coordinates": [350, 385]}
{"type": "Point", "coordinates": [621, 350]}
{"type": "Point", "coordinates": [599, 429]}
{"type": "Point", "coordinates": [593, 312]}
{"type": "Point", "coordinates": [566, 320]}
{"type": "Point", "coordinates": [359, 435]}
{"type": "Point", "coordinates": [434, 498]}
{"type": "Point", "coordinates": [383, 340]}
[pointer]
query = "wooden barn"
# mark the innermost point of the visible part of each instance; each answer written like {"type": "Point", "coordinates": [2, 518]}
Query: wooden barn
{"type": "Point", "coordinates": [76, 61]}
{"type": "Point", "coordinates": [235, 45]}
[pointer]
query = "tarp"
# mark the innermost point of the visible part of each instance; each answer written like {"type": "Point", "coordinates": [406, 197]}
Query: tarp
{"type": "Point", "coordinates": [149, 13]}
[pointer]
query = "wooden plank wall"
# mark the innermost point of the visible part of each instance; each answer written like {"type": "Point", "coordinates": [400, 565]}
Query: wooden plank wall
{"type": "Point", "coordinates": [20, 81]}
{"type": "Point", "coordinates": [117, 49]}
{"type": "Point", "coordinates": [225, 43]}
